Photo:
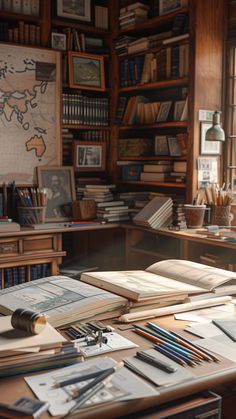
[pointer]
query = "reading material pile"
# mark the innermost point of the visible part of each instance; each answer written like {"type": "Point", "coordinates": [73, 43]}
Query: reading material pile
{"type": "Point", "coordinates": [113, 211]}
{"type": "Point", "coordinates": [21, 352]}
{"type": "Point", "coordinates": [63, 300]}
{"type": "Point", "coordinates": [99, 193]}
{"type": "Point", "coordinates": [157, 213]}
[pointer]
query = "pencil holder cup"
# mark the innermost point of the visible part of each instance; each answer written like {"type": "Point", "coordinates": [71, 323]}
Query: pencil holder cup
{"type": "Point", "coordinates": [221, 215]}
{"type": "Point", "coordinates": [31, 215]}
{"type": "Point", "coordinates": [194, 215]}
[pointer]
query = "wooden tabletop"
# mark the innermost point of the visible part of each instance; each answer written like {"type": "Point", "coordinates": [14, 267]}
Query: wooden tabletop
{"type": "Point", "coordinates": [208, 375]}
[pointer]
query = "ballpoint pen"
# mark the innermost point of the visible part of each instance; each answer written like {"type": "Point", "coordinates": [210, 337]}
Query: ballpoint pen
{"type": "Point", "coordinates": [179, 340]}
{"type": "Point", "coordinates": [152, 360]}
{"type": "Point", "coordinates": [154, 337]}
{"type": "Point", "coordinates": [93, 387]}
{"type": "Point", "coordinates": [81, 377]}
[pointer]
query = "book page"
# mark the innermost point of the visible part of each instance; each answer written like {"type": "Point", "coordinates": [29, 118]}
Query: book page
{"type": "Point", "coordinates": [206, 277]}
{"type": "Point", "coordinates": [137, 284]}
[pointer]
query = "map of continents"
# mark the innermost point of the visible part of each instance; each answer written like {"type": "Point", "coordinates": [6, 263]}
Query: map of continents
{"type": "Point", "coordinates": [29, 111]}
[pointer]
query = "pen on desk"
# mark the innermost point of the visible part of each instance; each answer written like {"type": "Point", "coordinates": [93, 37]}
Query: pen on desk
{"type": "Point", "coordinates": [212, 357]}
{"type": "Point", "coordinates": [184, 360]}
{"type": "Point", "coordinates": [179, 340]}
{"type": "Point", "coordinates": [79, 378]}
{"type": "Point", "coordinates": [168, 345]}
{"type": "Point", "coordinates": [93, 387]}
{"type": "Point", "coordinates": [155, 362]}
{"type": "Point", "coordinates": [174, 345]}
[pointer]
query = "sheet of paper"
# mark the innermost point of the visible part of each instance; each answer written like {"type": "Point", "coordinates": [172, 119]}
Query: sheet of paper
{"type": "Point", "coordinates": [115, 342]}
{"type": "Point", "coordinates": [206, 314]}
{"type": "Point", "coordinates": [219, 345]}
{"type": "Point", "coordinates": [204, 330]}
{"type": "Point", "coordinates": [124, 385]}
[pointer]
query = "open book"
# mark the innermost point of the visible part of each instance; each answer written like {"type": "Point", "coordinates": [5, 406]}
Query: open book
{"type": "Point", "coordinates": [164, 278]}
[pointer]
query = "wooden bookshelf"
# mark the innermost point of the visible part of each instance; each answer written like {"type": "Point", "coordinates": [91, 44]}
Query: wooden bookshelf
{"type": "Point", "coordinates": [162, 84]}
{"type": "Point", "coordinates": [162, 184]}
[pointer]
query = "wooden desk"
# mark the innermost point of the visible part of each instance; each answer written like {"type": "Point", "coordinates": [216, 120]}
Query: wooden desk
{"type": "Point", "coordinates": [208, 376]}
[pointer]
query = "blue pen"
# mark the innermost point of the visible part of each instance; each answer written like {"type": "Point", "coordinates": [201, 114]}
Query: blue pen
{"type": "Point", "coordinates": [175, 346]}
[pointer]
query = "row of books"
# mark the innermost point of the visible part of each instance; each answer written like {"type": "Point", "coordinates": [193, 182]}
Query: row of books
{"type": "Point", "coordinates": [165, 64]}
{"type": "Point", "coordinates": [78, 109]}
{"type": "Point", "coordinates": [24, 33]}
{"type": "Point", "coordinates": [25, 7]}
{"type": "Point", "coordinates": [139, 110]}
{"type": "Point", "coordinates": [19, 275]}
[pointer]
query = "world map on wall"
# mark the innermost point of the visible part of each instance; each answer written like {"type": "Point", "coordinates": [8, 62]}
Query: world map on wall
{"type": "Point", "coordinates": [29, 112]}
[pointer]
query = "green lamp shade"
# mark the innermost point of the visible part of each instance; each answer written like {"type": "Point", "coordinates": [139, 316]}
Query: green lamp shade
{"type": "Point", "coordinates": [215, 133]}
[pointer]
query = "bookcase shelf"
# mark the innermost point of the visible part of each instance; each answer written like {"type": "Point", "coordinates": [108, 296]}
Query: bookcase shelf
{"type": "Point", "coordinates": [162, 84]}
{"type": "Point", "coordinates": [15, 17]}
{"type": "Point", "coordinates": [86, 127]}
{"type": "Point", "coordinates": [164, 184]}
{"type": "Point", "coordinates": [153, 23]}
{"type": "Point", "coordinates": [90, 29]}
{"type": "Point", "coordinates": [153, 158]}
{"type": "Point", "coordinates": [172, 124]}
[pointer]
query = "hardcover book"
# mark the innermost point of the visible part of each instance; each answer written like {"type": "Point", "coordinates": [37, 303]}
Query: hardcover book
{"type": "Point", "coordinates": [164, 278]}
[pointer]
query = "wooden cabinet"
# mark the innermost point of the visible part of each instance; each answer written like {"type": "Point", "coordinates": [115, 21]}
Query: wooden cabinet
{"type": "Point", "coordinates": [26, 256]}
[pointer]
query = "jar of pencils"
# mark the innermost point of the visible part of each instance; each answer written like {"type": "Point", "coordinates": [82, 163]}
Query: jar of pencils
{"type": "Point", "coordinates": [221, 215]}
{"type": "Point", "coordinates": [29, 216]}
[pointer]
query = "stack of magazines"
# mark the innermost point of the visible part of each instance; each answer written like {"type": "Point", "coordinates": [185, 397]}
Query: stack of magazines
{"type": "Point", "coordinates": [157, 213]}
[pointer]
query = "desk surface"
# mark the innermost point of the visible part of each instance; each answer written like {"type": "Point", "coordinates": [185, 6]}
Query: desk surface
{"type": "Point", "coordinates": [208, 376]}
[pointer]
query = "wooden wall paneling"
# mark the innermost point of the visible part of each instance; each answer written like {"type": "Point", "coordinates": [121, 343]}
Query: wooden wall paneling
{"type": "Point", "coordinates": [208, 22]}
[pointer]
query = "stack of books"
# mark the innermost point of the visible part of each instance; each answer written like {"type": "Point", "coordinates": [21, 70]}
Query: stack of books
{"type": "Point", "coordinates": [156, 171]}
{"type": "Point", "coordinates": [21, 353]}
{"type": "Point", "coordinates": [157, 213]}
{"type": "Point", "coordinates": [179, 172]}
{"type": "Point", "coordinates": [113, 211]}
{"type": "Point", "coordinates": [99, 193]}
{"type": "Point", "coordinates": [132, 14]}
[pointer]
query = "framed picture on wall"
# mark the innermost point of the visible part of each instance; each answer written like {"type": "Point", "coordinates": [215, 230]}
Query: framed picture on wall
{"type": "Point", "coordinates": [163, 111]}
{"type": "Point", "coordinates": [208, 147]}
{"type": "Point", "coordinates": [60, 191]}
{"type": "Point", "coordinates": [58, 41]}
{"type": "Point", "coordinates": [86, 71]}
{"type": "Point", "coordinates": [89, 156]}
{"type": "Point", "coordinates": [76, 9]}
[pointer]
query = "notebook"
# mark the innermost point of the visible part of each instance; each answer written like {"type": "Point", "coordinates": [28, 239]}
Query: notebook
{"type": "Point", "coordinates": [227, 326]}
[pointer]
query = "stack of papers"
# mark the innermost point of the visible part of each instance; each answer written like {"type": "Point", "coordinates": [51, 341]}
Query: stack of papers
{"type": "Point", "coordinates": [157, 213]}
{"type": "Point", "coordinates": [21, 352]}
{"type": "Point", "coordinates": [124, 385]}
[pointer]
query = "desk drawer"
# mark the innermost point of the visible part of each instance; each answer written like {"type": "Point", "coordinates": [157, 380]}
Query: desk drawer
{"type": "Point", "coordinates": [40, 244]}
{"type": "Point", "coordinates": [206, 405]}
{"type": "Point", "coordinates": [9, 247]}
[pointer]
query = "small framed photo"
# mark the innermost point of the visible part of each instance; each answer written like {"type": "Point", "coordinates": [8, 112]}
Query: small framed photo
{"type": "Point", "coordinates": [161, 145]}
{"type": "Point", "coordinates": [208, 147]}
{"type": "Point", "coordinates": [168, 6]}
{"type": "Point", "coordinates": [174, 148]}
{"type": "Point", "coordinates": [58, 41]}
{"type": "Point", "coordinates": [178, 110]}
{"type": "Point", "coordinates": [86, 71]}
{"type": "Point", "coordinates": [89, 156]}
{"type": "Point", "coordinates": [76, 9]}
{"type": "Point", "coordinates": [60, 189]}
{"type": "Point", "coordinates": [163, 111]}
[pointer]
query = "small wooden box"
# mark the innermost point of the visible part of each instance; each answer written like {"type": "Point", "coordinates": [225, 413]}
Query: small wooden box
{"type": "Point", "coordinates": [84, 210]}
